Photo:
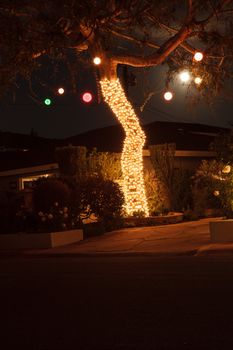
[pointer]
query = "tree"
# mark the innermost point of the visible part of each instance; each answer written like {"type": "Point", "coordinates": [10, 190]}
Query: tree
{"type": "Point", "coordinates": [137, 33]}
{"type": "Point", "coordinates": [105, 165]}
{"type": "Point", "coordinates": [162, 158]}
{"type": "Point", "coordinates": [75, 162]}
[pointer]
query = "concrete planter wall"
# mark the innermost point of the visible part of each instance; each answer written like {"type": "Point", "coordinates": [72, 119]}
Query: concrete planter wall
{"type": "Point", "coordinates": [39, 240]}
{"type": "Point", "coordinates": [171, 218]}
{"type": "Point", "coordinates": [221, 231]}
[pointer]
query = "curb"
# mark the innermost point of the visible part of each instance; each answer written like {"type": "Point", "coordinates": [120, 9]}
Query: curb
{"type": "Point", "coordinates": [101, 254]}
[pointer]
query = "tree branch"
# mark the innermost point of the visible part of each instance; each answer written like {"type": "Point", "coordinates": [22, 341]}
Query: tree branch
{"type": "Point", "coordinates": [215, 12]}
{"type": "Point", "coordinates": [160, 55]}
{"type": "Point", "coordinates": [133, 39]}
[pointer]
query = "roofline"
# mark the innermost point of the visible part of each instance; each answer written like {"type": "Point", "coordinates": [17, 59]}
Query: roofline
{"type": "Point", "coordinates": [22, 171]}
{"type": "Point", "coordinates": [186, 153]}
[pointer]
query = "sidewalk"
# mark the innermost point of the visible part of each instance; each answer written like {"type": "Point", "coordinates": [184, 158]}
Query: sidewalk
{"type": "Point", "coordinates": [187, 238]}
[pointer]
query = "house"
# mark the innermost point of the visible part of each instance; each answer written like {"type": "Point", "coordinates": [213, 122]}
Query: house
{"type": "Point", "coordinates": [22, 178]}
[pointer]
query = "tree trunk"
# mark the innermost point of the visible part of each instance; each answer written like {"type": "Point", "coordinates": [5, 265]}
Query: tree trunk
{"type": "Point", "coordinates": [132, 157]}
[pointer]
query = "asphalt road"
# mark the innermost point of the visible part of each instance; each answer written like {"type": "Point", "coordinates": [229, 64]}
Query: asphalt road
{"type": "Point", "coordinates": [116, 303]}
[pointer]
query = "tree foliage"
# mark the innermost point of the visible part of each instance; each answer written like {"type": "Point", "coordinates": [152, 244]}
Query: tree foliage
{"type": "Point", "coordinates": [162, 158]}
{"type": "Point", "coordinates": [174, 184]}
{"type": "Point", "coordinates": [72, 161]}
{"type": "Point", "coordinates": [138, 33]}
{"type": "Point", "coordinates": [78, 163]}
{"type": "Point", "coordinates": [207, 186]}
{"type": "Point", "coordinates": [48, 191]}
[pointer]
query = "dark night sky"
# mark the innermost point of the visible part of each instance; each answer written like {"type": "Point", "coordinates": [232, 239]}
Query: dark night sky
{"type": "Point", "coordinates": [68, 115]}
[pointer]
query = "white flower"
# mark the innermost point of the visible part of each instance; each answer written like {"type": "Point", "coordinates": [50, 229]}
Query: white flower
{"type": "Point", "coordinates": [216, 193]}
{"type": "Point", "coordinates": [41, 213]}
{"type": "Point", "coordinates": [50, 216]}
{"type": "Point", "coordinates": [56, 204]}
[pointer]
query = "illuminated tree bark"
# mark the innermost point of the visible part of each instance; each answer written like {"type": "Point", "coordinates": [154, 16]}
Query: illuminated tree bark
{"type": "Point", "coordinates": [132, 158]}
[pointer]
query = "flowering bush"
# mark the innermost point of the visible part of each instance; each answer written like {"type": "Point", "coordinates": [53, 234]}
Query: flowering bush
{"type": "Point", "coordinates": [93, 197]}
{"type": "Point", "coordinates": [58, 218]}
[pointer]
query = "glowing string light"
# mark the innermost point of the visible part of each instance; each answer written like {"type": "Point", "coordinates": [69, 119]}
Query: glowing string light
{"type": "Point", "coordinates": [87, 97]}
{"type": "Point", "coordinates": [131, 158]}
{"type": "Point", "coordinates": [184, 76]}
{"type": "Point", "coordinates": [61, 91]}
{"type": "Point", "coordinates": [168, 95]}
{"type": "Point", "coordinates": [47, 102]}
{"type": "Point", "coordinates": [97, 60]}
{"type": "Point", "coordinates": [198, 56]}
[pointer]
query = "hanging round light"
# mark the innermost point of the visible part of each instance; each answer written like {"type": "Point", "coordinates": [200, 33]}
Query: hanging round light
{"type": "Point", "coordinates": [97, 60]}
{"type": "Point", "coordinates": [168, 96]}
{"type": "Point", "coordinates": [47, 101]}
{"type": "Point", "coordinates": [184, 76]}
{"type": "Point", "coordinates": [61, 91]}
{"type": "Point", "coordinates": [87, 97]}
{"type": "Point", "coordinates": [198, 56]}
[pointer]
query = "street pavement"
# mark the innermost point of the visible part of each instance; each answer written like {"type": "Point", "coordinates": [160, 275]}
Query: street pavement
{"type": "Point", "coordinates": [187, 238]}
{"type": "Point", "coordinates": [154, 288]}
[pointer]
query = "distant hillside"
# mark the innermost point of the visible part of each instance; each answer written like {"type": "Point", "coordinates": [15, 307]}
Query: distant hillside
{"type": "Point", "coordinates": [186, 136]}
{"type": "Point", "coordinates": [19, 151]}
{"type": "Point", "coordinates": [109, 138]}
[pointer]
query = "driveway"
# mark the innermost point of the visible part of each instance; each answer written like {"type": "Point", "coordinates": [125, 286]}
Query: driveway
{"type": "Point", "coordinates": [187, 238]}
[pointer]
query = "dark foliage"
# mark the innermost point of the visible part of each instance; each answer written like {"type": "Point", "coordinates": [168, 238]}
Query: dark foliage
{"type": "Point", "coordinates": [49, 191]}
{"type": "Point", "coordinates": [135, 32]}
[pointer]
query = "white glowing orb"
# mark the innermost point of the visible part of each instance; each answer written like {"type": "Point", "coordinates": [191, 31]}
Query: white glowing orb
{"type": "Point", "coordinates": [216, 193]}
{"type": "Point", "coordinates": [97, 60]}
{"type": "Point", "coordinates": [185, 76]}
{"type": "Point", "coordinates": [61, 91]}
{"type": "Point", "coordinates": [198, 80]}
{"type": "Point", "coordinates": [168, 96]}
{"type": "Point", "coordinates": [198, 56]}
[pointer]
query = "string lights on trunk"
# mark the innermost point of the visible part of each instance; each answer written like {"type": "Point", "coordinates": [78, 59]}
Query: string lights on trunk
{"type": "Point", "coordinates": [131, 158]}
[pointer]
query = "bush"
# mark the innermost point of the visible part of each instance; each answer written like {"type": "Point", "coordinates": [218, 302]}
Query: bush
{"type": "Point", "coordinates": [48, 191]}
{"type": "Point", "coordinates": [4, 212]}
{"type": "Point", "coordinates": [207, 183]}
{"type": "Point", "coordinates": [101, 198]}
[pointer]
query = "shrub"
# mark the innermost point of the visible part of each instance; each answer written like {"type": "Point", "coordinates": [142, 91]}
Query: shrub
{"type": "Point", "coordinates": [60, 205]}
{"type": "Point", "coordinates": [182, 190]}
{"type": "Point", "coordinates": [4, 212]}
{"type": "Point", "coordinates": [154, 193]}
{"type": "Point", "coordinates": [101, 198]}
{"type": "Point", "coordinates": [48, 191]}
{"type": "Point", "coordinates": [207, 183]}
